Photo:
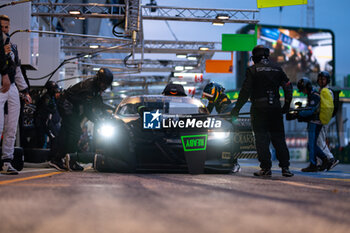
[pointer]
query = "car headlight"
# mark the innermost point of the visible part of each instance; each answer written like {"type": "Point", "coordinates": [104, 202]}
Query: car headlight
{"type": "Point", "coordinates": [106, 130]}
{"type": "Point", "coordinates": [219, 135]}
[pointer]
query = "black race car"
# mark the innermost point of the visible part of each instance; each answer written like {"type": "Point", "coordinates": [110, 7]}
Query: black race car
{"type": "Point", "coordinates": [170, 133]}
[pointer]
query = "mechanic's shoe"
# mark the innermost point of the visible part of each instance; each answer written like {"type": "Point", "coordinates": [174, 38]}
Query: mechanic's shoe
{"type": "Point", "coordinates": [310, 168]}
{"type": "Point", "coordinates": [236, 168]}
{"type": "Point", "coordinates": [286, 172]}
{"type": "Point", "coordinates": [8, 169]}
{"type": "Point", "coordinates": [263, 173]}
{"type": "Point", "coordinates": [57, 164]}
{"type": "Point", "coordinates": [72, 165]}
{"type": "Point", "coordinates": [332, 163]}
{"type": "Point", "coordinates": [325, 164]}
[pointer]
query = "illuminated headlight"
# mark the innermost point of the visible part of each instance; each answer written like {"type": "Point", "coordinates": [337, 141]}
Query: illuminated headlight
{"type": "Point", "coordinates": [219, 135]}
{"type": "Point", "coordinates": [106, 130]}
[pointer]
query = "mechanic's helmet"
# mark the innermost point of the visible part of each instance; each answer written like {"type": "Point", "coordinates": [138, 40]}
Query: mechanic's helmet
{"type": "Point", "coordinates": [104, 78]}
{"type": "Point", "coordinates": [212, 91]}
{"type": "Point", "coordinates": [324, 74]}
{"type": "Point", "coordinates": [52, 87]}
{"type": "Point", "coordinates": [304, 83]}
{"type": "Point", "coordinates": [260, 52]}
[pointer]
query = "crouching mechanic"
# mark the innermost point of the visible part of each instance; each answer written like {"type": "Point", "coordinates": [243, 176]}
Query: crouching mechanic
{"type": "Point", "coordinates": [214, 92]}
{"type": "Point", "coordinates": [261, 85]}
{"type": "Point", "coordinates": [74, 104]}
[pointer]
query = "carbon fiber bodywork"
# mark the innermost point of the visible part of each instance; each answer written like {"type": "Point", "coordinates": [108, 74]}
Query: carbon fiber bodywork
{"type": "Point", "coordinates": [162, 149]}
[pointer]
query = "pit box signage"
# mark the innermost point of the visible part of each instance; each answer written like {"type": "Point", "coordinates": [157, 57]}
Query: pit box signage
{"type": "Point", "coordinates": [194, 142]}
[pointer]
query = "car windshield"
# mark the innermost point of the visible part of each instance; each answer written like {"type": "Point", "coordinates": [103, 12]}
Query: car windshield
{"type": "Point", "coordinates": [167, 105]}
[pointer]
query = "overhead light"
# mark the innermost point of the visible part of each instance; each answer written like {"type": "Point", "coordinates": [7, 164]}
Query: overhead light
{"type": "Point", "coordinates": [192, 58]}
{"type": "Point", "coordinates": [180, 82]}
{"type": "Point", "coordinates": [95, 69]}
{"type": "Point", "coordinates": [203, 48]}
{"type": "Point", "coordinates": [189, 67]}
{"type": "Point", "coordinates": [80, 18]}
{"type": "Point", "coordinates": [188, 75]}
{"type": "Point", "coordinates": [222, 16]}
{"type": "Point", "coordinates": [179, 68]}
{"type": "Point", "coordinates": [74, 12]}
{"type": "Point", "coordinates": [93, 46]}
{"type": "Point", "coordinates": [218, 23]}
{"type": "Point", "coordinates": [181, 55]}
{"type": "Point", "coordinates": [87, 56]}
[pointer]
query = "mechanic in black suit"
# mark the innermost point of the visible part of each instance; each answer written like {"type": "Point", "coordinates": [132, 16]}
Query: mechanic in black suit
{"type": "Point", "coordinates": [214, 92]}
{"type": "Point", "coordinates": [261, 85]}
{"type": "Point", "coordinates": [74, 104]}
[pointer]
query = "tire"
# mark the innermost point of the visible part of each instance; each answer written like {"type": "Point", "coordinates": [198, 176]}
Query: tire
{"type": "Point", "coordinates": [36, 155]}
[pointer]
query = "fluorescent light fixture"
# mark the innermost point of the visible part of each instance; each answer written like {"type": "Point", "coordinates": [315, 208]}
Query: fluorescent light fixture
{"type": "Point", "coordinates": [179, 68]}
{"type": "Point", "coordinates": [188, 75]}
{"type": "Point", "coordinates": [74, 12]}
{"type": "Point", "coordinates": [192, 58]}
{"type": "Point", "coordinates": [115, 84]}
{"type": "Point", "coordinates": [180, 82]}
{"type": "Point", "coordinates": [80, 18]}
{"type": "Point", "coordinates": [93, 46]}
{"type": "Point", "coordinates": [95, 69]}
{"type": "Point", "coordinates": [123, 96]}
{"type": "Point", "coordinates": [189, 67]}
{"type": "Point", "coordinates": [204, 48]}
{"type": "Point", "coordinates": [218, 23]}
{"type": "Point", "coordinates": [181, 55]}
{"type": "Point", "coordinates": [222, 16]}
{"type": "Point", "coordinates": [87, 56]}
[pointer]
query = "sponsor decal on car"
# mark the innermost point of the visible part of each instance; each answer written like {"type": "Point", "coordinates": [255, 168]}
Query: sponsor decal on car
{"type": "Point", "coordinates": [155, 120]}
{"type": "Point", "coordinates": [152, 120]}
{"type": "Point", "coordinates": [194, 142]}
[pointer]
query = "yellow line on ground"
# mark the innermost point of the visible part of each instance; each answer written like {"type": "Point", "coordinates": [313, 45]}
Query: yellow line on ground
{"type": "Point", "coordinates": [303, 185]}
{"type": "Point", "coordinates": [28, 178]}
{"type": "Point", "coordinates": [339, 179]}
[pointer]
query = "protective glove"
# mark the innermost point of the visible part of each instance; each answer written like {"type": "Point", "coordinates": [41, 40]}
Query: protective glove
{"type": "Point", "coordinates": [285, 108]}
{"type": "Point", "coordinates": [234, 114]}
{"type": "Point", "coordinates": [291, 116]}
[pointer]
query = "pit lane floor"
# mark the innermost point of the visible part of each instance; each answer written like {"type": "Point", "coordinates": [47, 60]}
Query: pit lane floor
{"type": "Point", "coordinates": [44, 200]}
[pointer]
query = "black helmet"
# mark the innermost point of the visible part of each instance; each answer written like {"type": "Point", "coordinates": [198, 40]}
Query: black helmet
{"type": "Point", "coordinates": [104, 76]}
{"type": "Point", "coordinates": [174, 89]}
{"type": "Point", "coordinates": [304, 83]}
{"type": "Point", "coordinates": [52, 87]}
{"type": "Point", "coordinates": [324, 74]}
{"type": "Point", "coordinates": [259, 52]}
{"type": "Point", "coordinates": [212, 91]}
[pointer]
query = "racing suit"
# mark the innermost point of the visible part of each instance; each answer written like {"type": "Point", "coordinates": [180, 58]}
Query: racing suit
{"type": "Point", "coordinates": [8, 122]}
{"type": "Point", "coordinates": [81, 100]}
{"type": "Point", "coordinates": [261, 85]}
{"type": "Point", "coordinates": [314, 126]}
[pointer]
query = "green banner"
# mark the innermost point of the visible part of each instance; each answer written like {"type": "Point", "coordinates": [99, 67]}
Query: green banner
{"type": "Point", "coordinates": [194, 142]}
{"type": "Point", "coordinates": [343, 95]}
{"type": "Point", "coordinates": [239, 42]}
